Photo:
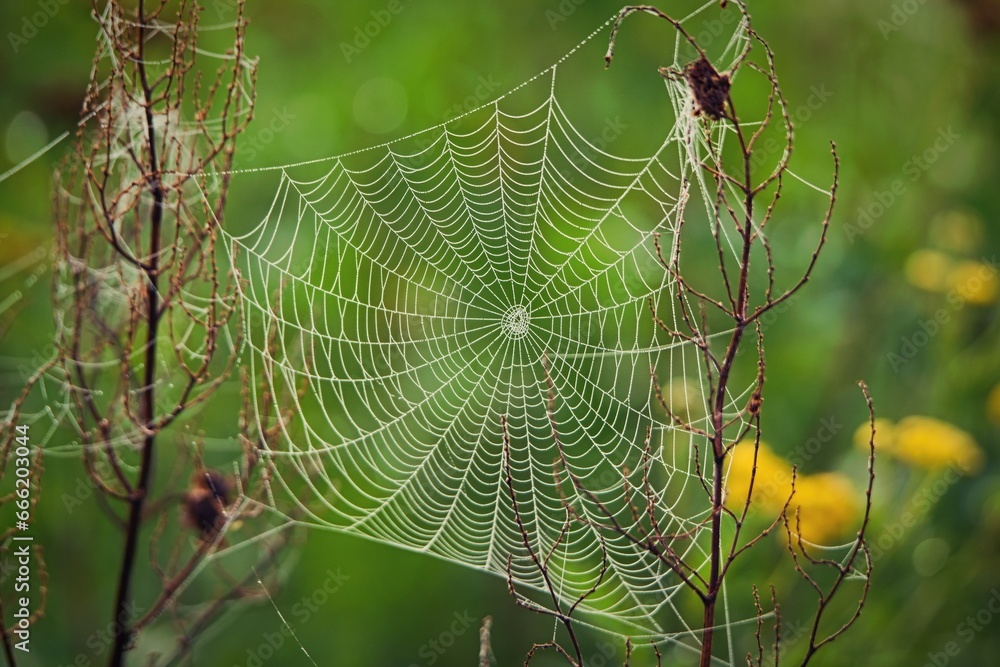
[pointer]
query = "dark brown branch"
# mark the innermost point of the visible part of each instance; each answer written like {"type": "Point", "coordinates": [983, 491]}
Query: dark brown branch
{"type": "Point", "coordinates": [122, 632]}
{"type": "Point", "coordinates": [735, 207]}
{"type": "Point", "coordinates": [542, 566]}
{"type": "Point", "coordinates": [846, 568]}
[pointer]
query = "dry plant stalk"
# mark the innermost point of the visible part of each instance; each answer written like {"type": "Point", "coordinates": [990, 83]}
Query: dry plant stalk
{"type": "Point", "coordinates": [146, 308]}
{"type": "Point", "coordinates": [746, 204]}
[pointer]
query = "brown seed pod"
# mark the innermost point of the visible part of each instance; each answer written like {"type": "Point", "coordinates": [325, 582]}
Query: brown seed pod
{"type": "Point", "coordinates": [206, 501]}
{"type": "Point", "coordinates": [709, 87]}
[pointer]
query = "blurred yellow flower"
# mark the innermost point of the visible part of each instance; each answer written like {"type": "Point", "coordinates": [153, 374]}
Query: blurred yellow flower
{"type": "Point", "coordinates": [976, 282]}
{"type": "Point", "coordinates": [935, 271]}
{"type": "Point", "coordinates": [928, 270]}
{"type": "Point", "coordinates": [927, 442]}
{"type": "Point", "coordinates": [824, 507]}
{"type": "Point", "coordinates": [993, 405]}
{"type": "Point", "coordinates": [772, 484]}
{"type": "Point", "coordinates": [884, 435]}
{"type": "Point", "coordinates": [826, 503]}
{"type": "Point", "coordinates": [933, 444]}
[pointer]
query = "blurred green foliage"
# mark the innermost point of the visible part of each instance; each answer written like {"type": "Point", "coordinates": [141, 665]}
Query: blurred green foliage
{"type": "Point", "coordinates": [891, 79]}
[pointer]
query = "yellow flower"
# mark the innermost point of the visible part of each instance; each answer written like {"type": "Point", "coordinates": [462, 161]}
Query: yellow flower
{"type": "Point", "coordinates": [885, 435]}
{"type": "Point", "coordinates": [993, 405]}
{"type": "Point", "coordinates": [976, 282]}
{"type": "Point", "coordinates": [824, 507]}
{"type": "Point", "coordinates": [926, 442]}
{"type": "Point", "coordinates": [772, 483]}
{"type": "Point", "coordinates": [928, 270]}
{"type": "Point", "coordinates": [933, 444]}
{"type": "Point", "coordinates": [826, 503]}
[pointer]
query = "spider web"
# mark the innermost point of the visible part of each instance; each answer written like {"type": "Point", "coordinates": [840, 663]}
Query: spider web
{"type": "Point", "coordinates": [408, 295]}
{"type": "Point", "coordinates": [405, 298]}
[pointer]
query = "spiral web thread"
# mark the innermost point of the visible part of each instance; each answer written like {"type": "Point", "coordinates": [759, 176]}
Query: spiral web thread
{"type": "Point", "coordinates": [408, 295]}
{"type": "Point", "coordinates": [415, 288]}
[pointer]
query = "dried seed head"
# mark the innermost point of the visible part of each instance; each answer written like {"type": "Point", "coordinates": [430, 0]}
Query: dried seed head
{"type": "Point", "coordinates": [710, 89]}
{"type": "Point", "coordinates": [205, 502]}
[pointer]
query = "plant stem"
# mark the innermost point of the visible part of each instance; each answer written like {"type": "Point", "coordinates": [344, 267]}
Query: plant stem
{"type": "Point", "coordinates": [121, 624]}
{"type": "Point", "coordinates": [718, 412]}
{"type": "Point", "coordinates": [8, 649]}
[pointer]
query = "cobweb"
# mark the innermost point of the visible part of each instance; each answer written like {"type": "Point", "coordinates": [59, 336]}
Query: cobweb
{"type": "Point", "coordinates": [406, 296]}
{"type": "Point", "coordinates": [402, 300]}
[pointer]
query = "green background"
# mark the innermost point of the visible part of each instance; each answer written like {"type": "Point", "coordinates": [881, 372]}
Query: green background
{"type": "Point", "coordinates": [892, 93]}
